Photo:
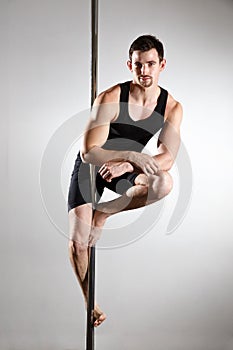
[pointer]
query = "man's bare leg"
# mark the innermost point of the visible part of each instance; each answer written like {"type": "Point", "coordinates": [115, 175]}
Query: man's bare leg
{"type": "Point", "coordinates": [147, 190]}
{"type": "Point", "coordinates": [84, 231]}
{"type": "Point", "coordinates": [80, 220]}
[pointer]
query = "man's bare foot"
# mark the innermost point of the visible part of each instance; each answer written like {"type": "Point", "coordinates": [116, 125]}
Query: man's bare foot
{"type": "Point", "coordinates": [99, 316]}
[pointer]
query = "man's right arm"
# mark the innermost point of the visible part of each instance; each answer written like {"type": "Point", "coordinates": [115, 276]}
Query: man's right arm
{"type": "Point", "coordinates": [105, 110]}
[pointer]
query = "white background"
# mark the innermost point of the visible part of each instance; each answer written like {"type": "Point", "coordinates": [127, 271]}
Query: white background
{"type": "Point", "coordinates": [162, 292]}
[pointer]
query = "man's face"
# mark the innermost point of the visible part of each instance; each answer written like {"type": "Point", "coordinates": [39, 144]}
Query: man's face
{"type": "Point", "coordinates": [146, 67]}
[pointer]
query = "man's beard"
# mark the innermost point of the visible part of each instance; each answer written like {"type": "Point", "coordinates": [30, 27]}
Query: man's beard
{"type": "Point", "coordinates": [146, 82]}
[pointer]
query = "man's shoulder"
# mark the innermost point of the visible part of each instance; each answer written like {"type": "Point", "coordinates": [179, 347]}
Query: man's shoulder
{"type": "Point", "coordinates": [173, 108]}
{"type": "Point", "coordinates": [173, 104]}
{"type": "Point", "coordinates": [110, 95]}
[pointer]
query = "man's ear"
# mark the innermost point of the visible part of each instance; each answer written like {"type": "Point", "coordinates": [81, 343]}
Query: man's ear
{"type": "Point", "coordinates": [129, 64]}
{"type": "Point", "coordinates": [162, 64]}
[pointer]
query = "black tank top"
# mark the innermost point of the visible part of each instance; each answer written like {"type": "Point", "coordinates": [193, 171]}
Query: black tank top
{"type": "Point", "coordinates": [128, 134]}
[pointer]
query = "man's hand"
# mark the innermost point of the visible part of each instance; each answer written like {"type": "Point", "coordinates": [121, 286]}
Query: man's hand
{"type": "Point", "coordinates": [113, 169]}
{"type": "Point", "coordinates": [146, 163]}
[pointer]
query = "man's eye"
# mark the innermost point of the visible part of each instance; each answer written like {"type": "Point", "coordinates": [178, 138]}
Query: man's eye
{"type": "Point", "coordinates": [138, 65]}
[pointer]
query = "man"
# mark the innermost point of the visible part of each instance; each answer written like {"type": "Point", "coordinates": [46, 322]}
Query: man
{"type": "Point", "coordinates": [122, 121]}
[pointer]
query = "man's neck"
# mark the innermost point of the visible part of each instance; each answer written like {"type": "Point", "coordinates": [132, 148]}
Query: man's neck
{"type": "Point", "coordinates": [143, 95]}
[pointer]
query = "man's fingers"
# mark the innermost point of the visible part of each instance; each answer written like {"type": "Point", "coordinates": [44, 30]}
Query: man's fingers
{"type": "Point", "coordinates": [154, 166]}
{"type": "Point", "coordinates": [104, 171]}
{"type": "Point", "coordinates": [102, 168]}
{"type": "Point", "coordinates": [109, 178]}
{"type": "Point", "coordinates": [105, 174]}
{"type": "Point", "coordinates": [151, 169]}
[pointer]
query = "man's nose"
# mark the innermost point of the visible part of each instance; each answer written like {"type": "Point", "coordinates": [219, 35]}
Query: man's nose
{"type": "Point", "coordinates": [144, 69]}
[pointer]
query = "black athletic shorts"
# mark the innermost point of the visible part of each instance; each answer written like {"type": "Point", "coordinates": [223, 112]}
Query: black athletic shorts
{"type": "Point", "coordinates": [80, 186]}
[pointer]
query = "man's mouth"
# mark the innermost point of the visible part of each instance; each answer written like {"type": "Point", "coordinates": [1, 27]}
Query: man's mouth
{"type": "Point", "coordinates": [145, 77]}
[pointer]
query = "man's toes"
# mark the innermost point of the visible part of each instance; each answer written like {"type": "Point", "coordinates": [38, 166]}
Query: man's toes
{"type": "Point", "coordinates": [101, 318]}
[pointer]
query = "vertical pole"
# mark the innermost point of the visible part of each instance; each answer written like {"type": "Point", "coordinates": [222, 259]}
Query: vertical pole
{"type": "Point", "coordinates": [91, 268]}
{"type": "Point", "coordinates": [94, 49]}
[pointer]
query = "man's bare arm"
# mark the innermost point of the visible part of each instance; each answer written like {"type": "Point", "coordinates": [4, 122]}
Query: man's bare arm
{"type": "Point", "coordinates": [104, 111]}
{"type": "Point", "coordinates": [169, 138]}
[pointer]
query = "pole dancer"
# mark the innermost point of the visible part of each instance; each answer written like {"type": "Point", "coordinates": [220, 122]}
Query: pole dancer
{"type": "Point", "coordinates": [123, 120]}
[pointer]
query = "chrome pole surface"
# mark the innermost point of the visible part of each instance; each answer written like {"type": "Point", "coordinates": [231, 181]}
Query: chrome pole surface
{"type": "Point", "coordinates": [94, 49]}
{"type": "Point", "coordinates": [90, 334]}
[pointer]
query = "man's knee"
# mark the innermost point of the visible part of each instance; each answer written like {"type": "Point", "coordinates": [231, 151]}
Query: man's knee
{"type": "Point", "coordinates": [162, 184]}
{"type": "Point", "coordinates": [165, 183]}
{"type": "Point", "coordinates": [76, 247]}
{"type": "Point", "coordinates": [156, 186]}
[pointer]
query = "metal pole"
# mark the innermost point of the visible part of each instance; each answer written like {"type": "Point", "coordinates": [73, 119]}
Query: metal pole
{"type": "Point", "coordinates": [94, 49]}
{"type": "Point", "coordinates": [91, 267]}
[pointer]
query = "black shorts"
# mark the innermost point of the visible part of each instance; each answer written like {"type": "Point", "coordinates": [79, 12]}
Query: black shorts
{"type": "Point", "coordinates": [80, 186]}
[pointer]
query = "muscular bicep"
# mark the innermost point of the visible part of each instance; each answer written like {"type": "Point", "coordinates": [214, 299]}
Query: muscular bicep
{"type": "Point", "coordinates": [169, 138]}
{"type": "Point", "coordinates": [97, 129]}
{"type": "Point", "coordinates": [95, 135]}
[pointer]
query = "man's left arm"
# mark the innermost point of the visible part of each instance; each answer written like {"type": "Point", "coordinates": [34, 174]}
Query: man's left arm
{"type": "Point", "coordinates": [169, 138]}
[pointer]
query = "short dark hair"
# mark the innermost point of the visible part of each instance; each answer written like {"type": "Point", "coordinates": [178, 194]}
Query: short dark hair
{"type": "Point", "coordinates": [146, 43]}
